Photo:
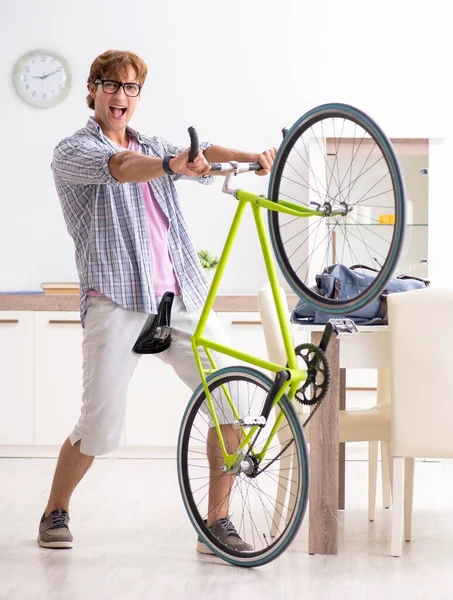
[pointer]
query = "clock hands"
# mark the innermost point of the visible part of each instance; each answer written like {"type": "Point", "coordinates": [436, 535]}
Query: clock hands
{"type": "Point", "coordinates": [56, 71]}
{"type": "Point", "coordinates": [45, 76]}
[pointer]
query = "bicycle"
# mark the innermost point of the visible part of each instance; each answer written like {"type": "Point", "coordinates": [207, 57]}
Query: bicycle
{"type": "Point", "coordinates": [245, 415]}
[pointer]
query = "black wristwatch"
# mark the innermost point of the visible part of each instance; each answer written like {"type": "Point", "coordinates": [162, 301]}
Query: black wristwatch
{"type": "Point", "coordinates": [166, 164]}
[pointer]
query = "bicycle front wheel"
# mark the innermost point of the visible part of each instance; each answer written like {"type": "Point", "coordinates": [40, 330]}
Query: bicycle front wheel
{"type": "Point", "coordinates": [336, 160]}
{"type": "Point", "coordinates": [265, 493]}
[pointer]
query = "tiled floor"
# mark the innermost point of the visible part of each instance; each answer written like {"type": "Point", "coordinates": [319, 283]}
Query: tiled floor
{"type": "Point", "coordinates": [133, 541]}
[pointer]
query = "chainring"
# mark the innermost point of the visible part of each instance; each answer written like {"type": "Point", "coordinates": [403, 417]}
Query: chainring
{"type": "Point", "coordinates": [315, 387]}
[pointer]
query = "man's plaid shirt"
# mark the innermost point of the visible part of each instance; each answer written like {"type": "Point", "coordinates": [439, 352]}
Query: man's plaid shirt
{"type": "Point", "coordinates": [107, 222]}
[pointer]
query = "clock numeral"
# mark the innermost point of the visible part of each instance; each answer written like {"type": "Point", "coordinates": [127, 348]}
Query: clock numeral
{"type": "Point", "coordinates": [34, 94]}
{"type": "Point", "coordinates": [27, 69]}
{"type": "Point", "coordinates": [27, 87]}
{"type": "Point", "coordinates": [53, 61]}
{"type": "Point", "coordinates": [43, 58]}
{"type": "Point", "coordinates": [44, 96]}
{"type": "Point", "coordinates": [61, 86]}
{"type": "Point", "coordinates": [53, 92]}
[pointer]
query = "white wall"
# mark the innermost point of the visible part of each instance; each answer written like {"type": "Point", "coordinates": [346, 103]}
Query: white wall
{"type": "Point", "coordinates": [238, 72]}
{"type": "Point", "coordinates": [392, 58]}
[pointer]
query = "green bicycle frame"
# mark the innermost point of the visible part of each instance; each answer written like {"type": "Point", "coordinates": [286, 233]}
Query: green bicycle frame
{"type": "Point", "coordinates": [198, 341]}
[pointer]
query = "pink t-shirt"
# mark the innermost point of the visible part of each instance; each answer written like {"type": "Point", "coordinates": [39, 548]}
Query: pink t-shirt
{"type": "Point", "coordinates": [163, 273]}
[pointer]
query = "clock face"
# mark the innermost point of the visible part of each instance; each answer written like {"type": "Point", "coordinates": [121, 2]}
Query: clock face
{"type": "Point", "coordinates": [42, 79]}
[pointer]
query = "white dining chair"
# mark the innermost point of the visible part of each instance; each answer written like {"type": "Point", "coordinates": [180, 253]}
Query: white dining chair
{"type": "Point", "coordinates": [420, 329]}
{"type": "Point", "coordinates": [372, 425]}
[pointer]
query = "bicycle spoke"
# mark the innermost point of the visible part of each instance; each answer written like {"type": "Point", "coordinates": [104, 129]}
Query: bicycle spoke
{"type": "Point", "coordinates": [307, 187]}
{"type": "Point", "coordinates": [315, 177]}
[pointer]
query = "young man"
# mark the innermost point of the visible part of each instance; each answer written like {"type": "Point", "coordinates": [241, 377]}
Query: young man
{"type": "Point", "coordinates": [121, 208]}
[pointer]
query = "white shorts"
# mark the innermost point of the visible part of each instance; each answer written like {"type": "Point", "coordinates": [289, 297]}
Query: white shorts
{"type": "Point", "coordinates": [108, 364]}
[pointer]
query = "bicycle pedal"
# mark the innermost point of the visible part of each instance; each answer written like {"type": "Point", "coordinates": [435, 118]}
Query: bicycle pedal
{"type": "Point", "coordinates": [344, 327]}
{"type": "Point", "coordinates": [250, 422]}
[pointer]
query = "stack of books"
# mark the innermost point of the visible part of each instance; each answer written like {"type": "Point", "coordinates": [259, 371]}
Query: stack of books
{"type": "Point", "coordinates": [60, 288]}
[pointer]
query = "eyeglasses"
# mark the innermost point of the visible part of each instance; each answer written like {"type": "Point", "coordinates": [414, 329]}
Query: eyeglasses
{"type": "Point", "coordinates": [111, 87]}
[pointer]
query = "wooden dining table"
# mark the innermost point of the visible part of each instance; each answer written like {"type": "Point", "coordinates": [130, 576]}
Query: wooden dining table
{"type": "Point", "coordinates": [369, 349]}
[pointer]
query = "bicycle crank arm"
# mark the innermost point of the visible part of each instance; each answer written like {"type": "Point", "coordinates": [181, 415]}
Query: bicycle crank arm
{"type": "Point", "coordinates": [280, 378]}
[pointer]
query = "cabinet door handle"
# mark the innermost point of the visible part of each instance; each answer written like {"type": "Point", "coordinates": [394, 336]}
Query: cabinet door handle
{"type": "Point", "coordinates": [63, 322]}
{"type": "Point", "coordinates": [246, 322]}
{"type": "Point", "coordinates": [9, 321]}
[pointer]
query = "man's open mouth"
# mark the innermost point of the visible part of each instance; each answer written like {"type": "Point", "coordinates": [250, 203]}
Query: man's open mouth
{"type": "Point", "coordinates": [117, 111]}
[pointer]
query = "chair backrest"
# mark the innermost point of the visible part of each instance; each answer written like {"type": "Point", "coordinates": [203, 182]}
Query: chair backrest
{"type": "Point", "coordinates": [272, 332]}
{"type": "Point", "coordinates": [421, 329]}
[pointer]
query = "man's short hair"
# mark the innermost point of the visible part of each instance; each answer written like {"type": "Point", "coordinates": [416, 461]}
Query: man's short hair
{"type": "Point", "coordinates": [114, 64]}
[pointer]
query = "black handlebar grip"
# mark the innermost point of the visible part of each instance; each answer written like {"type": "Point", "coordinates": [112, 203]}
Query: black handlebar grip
{"type": "Point", "coordinates": [284, 131]}
{"type": "Point", "coordinates": [194, 144]}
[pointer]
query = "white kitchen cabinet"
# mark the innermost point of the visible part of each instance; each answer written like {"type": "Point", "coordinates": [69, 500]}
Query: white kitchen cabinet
{"type": "Point", "coordinates": [16, 377]}
{"type": "Point", "coordinates": [41, 378]}
{"type": "Point", "coordinates": [58, 375]}
{"type": "Point", "coordinates": [361, 379]}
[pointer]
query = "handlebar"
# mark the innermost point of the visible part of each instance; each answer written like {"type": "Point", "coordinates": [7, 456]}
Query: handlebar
{"type": "Point", "coordinates": [194, 143]}
{"type": "Point", "coordinates": [195, 147]}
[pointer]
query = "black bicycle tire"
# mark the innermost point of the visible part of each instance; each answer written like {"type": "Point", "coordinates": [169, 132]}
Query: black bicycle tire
{"type": "Point", "coordinates": [252, 559]}
{"type": "Point", "coordinates": [330, 305]}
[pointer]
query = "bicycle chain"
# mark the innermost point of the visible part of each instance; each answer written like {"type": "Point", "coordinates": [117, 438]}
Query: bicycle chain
{"type": "Point", "coordinates": [274, 459]}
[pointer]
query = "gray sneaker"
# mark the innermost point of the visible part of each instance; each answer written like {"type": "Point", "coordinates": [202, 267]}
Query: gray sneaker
{"type": "Point", "coordinates": [54, 531]}
{"type": "Point", "coordinates": [226, 533]}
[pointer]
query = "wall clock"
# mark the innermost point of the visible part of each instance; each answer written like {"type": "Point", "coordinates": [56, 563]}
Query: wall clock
{"type": "Point", "coordinates": [42, 78]}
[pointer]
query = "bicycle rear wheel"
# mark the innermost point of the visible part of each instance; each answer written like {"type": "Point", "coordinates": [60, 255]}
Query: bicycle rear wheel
{"type": "Point", "coordinates": [336, 160]}
{"type": "Point", "coordinates": [264, 496]}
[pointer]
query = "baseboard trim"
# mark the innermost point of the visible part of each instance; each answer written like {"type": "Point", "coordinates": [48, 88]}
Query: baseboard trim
{"type": "Point", "coordinates": [138, 452]}
{"type": "Point", "coordinates": [355, 452]}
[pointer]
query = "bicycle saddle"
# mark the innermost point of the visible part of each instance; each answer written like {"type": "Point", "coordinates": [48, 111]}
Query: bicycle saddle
{"type": "Point", "coordinates": [155, 336]}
